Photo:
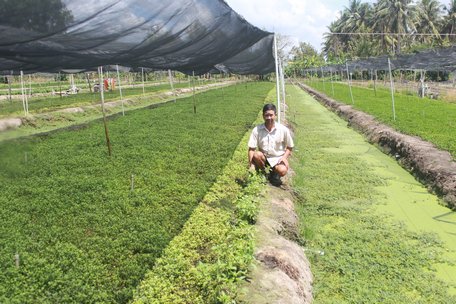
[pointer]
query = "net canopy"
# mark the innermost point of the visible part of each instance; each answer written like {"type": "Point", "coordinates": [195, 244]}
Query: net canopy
{"type": "Point", "coordinates": [441, 59]}
{"type": "Point", "coordinates": [191, 36]}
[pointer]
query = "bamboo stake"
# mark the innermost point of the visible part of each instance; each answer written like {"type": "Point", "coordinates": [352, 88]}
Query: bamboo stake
{"type": "Point", "coordinates": [24, 97]}
{"type": "Point", "coordinates": [392, 89]}
{"type": "Point", "coordinates": [9, 89]}
{"type": "Point", "coordinates": [171, 83]}
{"type": "Point", "coordinates": [120, 90]}
{"type": "Point", "coordinates": [88, 82]}
{"type": "Point", "coordinates": [108, 142]}
{"type": "Point", "coordinates": [193, 85]}
{"type": "Point", "coordinates": [143, 84]}
{"type": "Point", "coordinates": [349, 83]}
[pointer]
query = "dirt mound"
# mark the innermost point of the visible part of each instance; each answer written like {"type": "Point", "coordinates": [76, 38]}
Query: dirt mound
{"type": "Point", "coordinates": [282, 272]}
{"type": "Point", "coordinates": [10, 123]}
{"type": "Point", "coordinates": [431, 166]}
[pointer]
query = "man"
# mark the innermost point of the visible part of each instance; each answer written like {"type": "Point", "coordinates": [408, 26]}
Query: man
{"type": "Point", "coordinates": [274, 144]}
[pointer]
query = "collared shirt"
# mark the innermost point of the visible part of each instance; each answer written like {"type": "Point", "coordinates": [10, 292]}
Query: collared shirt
{"type": "Point", "coordinates": [273, 144]}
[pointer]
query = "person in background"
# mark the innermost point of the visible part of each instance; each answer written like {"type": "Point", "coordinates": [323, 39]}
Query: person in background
{"type": "Point", "coordinates": [270, 146]}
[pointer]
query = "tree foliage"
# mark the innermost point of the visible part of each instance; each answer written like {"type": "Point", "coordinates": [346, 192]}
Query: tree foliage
{"type": "Point", "coordinates": [386, 27]}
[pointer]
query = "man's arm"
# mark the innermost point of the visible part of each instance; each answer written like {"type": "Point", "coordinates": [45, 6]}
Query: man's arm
{"type": "Point", "coordinates": [285, 156]}
{"type": "Point", "coordinates": [251, 153]}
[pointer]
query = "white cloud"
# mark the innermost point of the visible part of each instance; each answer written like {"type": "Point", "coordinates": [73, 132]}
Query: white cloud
{"type": "Point", "coordinates": [303, 20]}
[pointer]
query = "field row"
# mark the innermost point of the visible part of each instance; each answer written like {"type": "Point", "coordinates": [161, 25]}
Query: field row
{"type": "Point", "coordinates": [80, 227]}
{"type": "Point", "coordinates": [432, 120]}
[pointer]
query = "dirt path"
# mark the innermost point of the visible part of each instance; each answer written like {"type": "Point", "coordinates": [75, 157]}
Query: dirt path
{"type": "Point", "coordinates": [282, 272]}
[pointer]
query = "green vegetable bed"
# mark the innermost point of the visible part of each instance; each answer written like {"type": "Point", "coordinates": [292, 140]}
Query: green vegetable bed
{"type": "Point", "coordinates": [80, 227]}
{"type": "Point", "coordinates": [432, 120]}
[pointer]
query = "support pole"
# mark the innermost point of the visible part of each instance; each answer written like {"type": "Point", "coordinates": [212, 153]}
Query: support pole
{"type": "Point", "coordinates": [392, 88]}
{"type": "Point", "coordinates": [282, 77]}
{"type": "Point", "coordinates": [332, 84]}
{"type": "Point", "coordinates": [277, 77]}
{"type": "Point", "coordinates": [9, 89]}
{"type": "Point", "coordinates": [100, 77]}
{"type": "Point", "coordinates": [171, 83]}
{"type": "Point", "coordinates": [375, 83]}
{"type": "Point", "coordinates": [142, 78]}
{"type": "Point", "coordinates": [120, 90]}
{"type": "Point", "coordinates": [60, 85]}
{"type": "Point", "coordinates": [88, 82]}
{"type": "Point", "coordinates": [322, 79]}
{"type": "Point", "coordinates": [422, 83]}
{"type": "Point", "coordinates": [30, 85]}
{"type": "Point", "coordinates": [24, 95]}
{"type": "Point", "coordinates": [193, 85]}
{"type": "Point", "coordinates": [349, 83]}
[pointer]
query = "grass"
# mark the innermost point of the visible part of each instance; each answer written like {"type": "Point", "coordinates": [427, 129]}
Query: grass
{"type": "Point", "coordinates": [432, 120]}
{"type": "Point", "coordinates": [357, 255]}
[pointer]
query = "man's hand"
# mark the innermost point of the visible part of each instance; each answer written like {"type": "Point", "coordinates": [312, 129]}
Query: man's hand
{"type": "Point", "coordinates": [252, 167]}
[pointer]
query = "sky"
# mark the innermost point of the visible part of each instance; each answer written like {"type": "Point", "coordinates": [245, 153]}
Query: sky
{"type": "Point", "coordinates": [302, 20]}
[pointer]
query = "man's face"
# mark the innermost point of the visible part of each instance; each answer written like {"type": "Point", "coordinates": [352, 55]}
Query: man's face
{"type": "Point", "coordinates": [269, 116]}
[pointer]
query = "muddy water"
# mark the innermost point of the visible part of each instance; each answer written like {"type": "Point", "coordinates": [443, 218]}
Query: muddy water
{"type": "Point", "coordinates": [402, 196]}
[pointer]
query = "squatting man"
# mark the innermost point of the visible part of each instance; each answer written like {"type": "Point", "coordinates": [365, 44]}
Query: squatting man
{"type": "Point", "coordinates": [270, 145]}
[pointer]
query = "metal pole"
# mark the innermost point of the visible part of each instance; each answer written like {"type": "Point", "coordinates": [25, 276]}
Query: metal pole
{"type": "Point", "coordinates": [349, 83]}
{"type": "Point", "coordinates": [277, 77]}
{"type": "Point", "coordinates": [120, 90]}
{"type": "Point", "coordinates": [332, 84]}
{"type": "Point", "coordinates": [392, 88]}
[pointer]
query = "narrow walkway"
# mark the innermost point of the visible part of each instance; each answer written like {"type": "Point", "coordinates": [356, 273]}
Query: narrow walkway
{"type": "Point", "coordinates": [321, 136]}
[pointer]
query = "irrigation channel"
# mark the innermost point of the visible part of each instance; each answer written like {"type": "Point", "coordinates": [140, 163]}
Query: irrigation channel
{"type": "Point", "coordinates": [366, 214]}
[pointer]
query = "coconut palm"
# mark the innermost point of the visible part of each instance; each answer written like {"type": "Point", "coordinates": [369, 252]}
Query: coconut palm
{"type": "Point", "coordinates": [397, 17]}
{"type": "Point", "coordinates": [449, 20]}
{"type": "Point", "coordinates": [429, 13]}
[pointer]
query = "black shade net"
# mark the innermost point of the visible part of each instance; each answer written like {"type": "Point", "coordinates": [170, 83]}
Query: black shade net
{"type": "Point", "coordinates": [191, 36]}
{"type": "Point", "coordinates": [441, 59]}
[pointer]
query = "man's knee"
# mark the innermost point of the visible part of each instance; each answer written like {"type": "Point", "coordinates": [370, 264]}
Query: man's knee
{"type": "Point", "coordinates": [281, 169]}
{"type": "Point", "coordinates": [258, 155]}
{"type": "Point", "coordinates": [259, 160]}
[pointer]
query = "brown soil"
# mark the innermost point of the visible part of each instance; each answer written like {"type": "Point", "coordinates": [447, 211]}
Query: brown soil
{"type": "Point", "coordinates": [433, 167]}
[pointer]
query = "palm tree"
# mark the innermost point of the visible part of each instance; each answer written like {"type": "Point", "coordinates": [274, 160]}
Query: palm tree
{"type": "Point", "coordinates": [333, 46]}
{"type": "Point", "coordinates": [449, 20]}
{"type": "Point", "coordinates": [397, 17]}
{"type": "Point", "coordinates": [429, 20]}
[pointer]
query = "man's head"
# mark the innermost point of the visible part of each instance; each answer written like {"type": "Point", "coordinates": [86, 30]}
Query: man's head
{"type": "Point", "coordinates": [268, 107]}
{"type": "Point", "coordinates": [269, 114]}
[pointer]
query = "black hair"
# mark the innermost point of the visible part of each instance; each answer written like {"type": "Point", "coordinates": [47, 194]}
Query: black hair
{"type": "Point", "coordinates": [269, 106]}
